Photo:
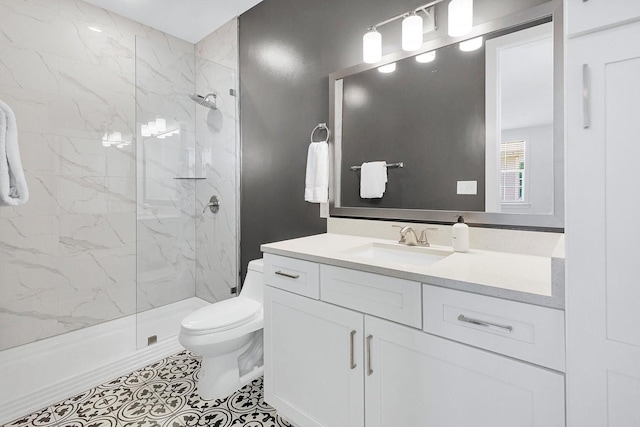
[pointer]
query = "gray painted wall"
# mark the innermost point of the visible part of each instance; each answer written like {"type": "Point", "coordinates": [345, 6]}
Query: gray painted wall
{"type": "Point", "coordinates": [287, 50]}
{"type": "Point", "coordinates": [428, 116]}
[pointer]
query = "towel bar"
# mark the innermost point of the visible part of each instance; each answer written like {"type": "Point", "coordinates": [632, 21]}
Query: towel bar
{"type": "Point", "coordinates": [388, 165]}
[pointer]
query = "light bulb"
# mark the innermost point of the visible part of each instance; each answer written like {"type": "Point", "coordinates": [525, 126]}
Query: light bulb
{"type": "Point", "coordinates": [372, 46]}
{"type": "Point", "coordinates": [144, 130]}
{"type": "Point", "coordinates": [471, 44]}
{"type": "Point", "coordinates": [460, 17]}
{"type": "Point", "coordinates": [389, 68]}
{"type": "Point", "coordinates": [412, 31]}
{"type": "Point", "coordinates": [426, 57]}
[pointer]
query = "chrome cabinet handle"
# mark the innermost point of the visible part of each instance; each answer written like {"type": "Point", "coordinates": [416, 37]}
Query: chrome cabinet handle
{"type": "Point", "coordinates": [586, 102]}
{"type": "Point", "coordinates": [489, 325]}
{"type": "Point", "coordinates": [369, 370]}
{"type": "Point", "coordinates": [290, 276]}
{"type": "Point", "coordinates": [352, 362]}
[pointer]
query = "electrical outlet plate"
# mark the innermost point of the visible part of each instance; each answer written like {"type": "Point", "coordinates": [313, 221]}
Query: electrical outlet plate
{"type": "Point", "coordinates": [468, 187]}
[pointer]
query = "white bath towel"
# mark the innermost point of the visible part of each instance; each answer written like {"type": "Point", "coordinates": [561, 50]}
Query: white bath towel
{"type": "Point", "coordinates": [13, 185]}
{"type": "Point", "coordinates": [373, 180]}
{"type": "Point", "coordinates": [317, 180]}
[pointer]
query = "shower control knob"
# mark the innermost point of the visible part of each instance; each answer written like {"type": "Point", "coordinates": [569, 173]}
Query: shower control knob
{"type": "Point", "coordinates": [213, 205]}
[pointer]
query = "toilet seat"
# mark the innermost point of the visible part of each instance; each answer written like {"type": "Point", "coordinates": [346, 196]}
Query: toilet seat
{"type": "Point", "coordinates": [221, 316]}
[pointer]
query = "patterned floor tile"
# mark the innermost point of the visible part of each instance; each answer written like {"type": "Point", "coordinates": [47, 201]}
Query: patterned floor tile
{"type": "Point", "coordinates": [41, 418]}
{"type": "Point", "coordinates": [163, 394]}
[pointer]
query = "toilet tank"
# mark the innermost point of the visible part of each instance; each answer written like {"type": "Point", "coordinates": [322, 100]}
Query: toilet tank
{"type": "Point", "coordinates": [254, 281]}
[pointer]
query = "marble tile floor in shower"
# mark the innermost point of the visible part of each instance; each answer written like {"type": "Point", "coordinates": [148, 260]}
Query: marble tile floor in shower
{"type": "Point", "coordinates": [162, 394]}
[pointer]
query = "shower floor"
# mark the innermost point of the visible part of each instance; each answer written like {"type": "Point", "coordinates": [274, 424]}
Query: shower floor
{"type": "Point", "coordinates": [160, 394]}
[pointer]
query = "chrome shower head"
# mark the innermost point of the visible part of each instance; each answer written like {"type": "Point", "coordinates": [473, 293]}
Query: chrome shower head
{"type": "Point", "coordinates": [208, 101]}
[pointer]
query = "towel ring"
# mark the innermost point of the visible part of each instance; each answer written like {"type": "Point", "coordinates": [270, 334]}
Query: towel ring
{"type": "Point", "coordinates": [318, 127]}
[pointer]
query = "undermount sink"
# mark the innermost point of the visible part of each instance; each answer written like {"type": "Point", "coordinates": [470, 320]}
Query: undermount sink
{"type": "Point", "coordinates": [399, 254]}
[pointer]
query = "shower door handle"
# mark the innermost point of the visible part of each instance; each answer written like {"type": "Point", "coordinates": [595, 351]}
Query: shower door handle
{"type": "Point", "coordinates": [213, 205]}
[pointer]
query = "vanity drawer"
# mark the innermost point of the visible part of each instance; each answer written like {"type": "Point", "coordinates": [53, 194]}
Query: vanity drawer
{"type": "Point", "coordinates": [524, 331]}
{"type": "Point", "coordinates": [293, 275]}
{"type": "Point", "coordinates": [386, 297]}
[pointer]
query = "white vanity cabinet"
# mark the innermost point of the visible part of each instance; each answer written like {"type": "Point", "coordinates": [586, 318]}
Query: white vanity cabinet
{"type": "Point", "coordinates": [334, 366]}
{"type": "Point", "coordinates": [603, 296]}
{"type": "Point", "coordinates": [417, 379]}
{"type": "Point", "coordinates": [588, 15]}
{"type": "Point", "coordinates": [308, 374]}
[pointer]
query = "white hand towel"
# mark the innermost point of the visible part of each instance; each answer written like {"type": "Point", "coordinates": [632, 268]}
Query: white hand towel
{"type": "Point", "coordinates": [373, 180]}
{"type": "Point", "coordinates": [13, 185]}
{"type": "Point", "coordinates": [317, 179]}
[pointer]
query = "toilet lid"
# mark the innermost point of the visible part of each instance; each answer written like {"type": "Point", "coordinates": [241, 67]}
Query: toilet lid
{"type": "Point", "coordinates": [222, 315]}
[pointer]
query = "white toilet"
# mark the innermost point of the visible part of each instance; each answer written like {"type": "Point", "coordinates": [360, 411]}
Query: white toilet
{"type": "Point", "coordinates": [228, 336]}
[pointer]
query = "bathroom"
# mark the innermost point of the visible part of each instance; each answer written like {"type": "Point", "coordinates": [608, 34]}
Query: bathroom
{"type": "Point", "coordinates": [111, 251]}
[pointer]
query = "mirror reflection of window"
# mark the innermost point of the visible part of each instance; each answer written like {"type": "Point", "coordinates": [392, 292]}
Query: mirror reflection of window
{"type": "Point", "coordinates": [512, 172]}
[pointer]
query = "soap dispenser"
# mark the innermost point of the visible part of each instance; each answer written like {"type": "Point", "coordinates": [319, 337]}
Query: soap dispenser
{"type": "Point", "coordinates": [460, 236]}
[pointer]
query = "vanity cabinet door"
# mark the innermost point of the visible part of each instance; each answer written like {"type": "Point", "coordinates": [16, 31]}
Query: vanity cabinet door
{"type": "Point", "coordinates": [417, 379]}
{"type": "Point", "coordinates": [313, 361]}
{"type": "Point", "coordinates": [603, 293]}
{"type": "Point", "coordinates": [588, 15]}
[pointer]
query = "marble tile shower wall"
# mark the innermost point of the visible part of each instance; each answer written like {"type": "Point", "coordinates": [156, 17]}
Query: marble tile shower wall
{"type": "Point", "coordinates": [68, 257]}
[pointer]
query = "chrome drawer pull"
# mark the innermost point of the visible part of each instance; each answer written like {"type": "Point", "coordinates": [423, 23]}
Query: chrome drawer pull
{"type": "Point", "coordinates": [369, 370]}
{"type": "Point", "coordinates": [352, 362]}
{"type": "Point", "coordinates": [489, 325]}
{"type": "Point", "coordinates": [290, 276]}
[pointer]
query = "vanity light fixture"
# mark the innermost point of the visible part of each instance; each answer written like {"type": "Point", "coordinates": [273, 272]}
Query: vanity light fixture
{"type": "Point", "coordinates": [426, 57]}
{"type": "Point", "coordinates": [412, 31]}
{"type": "Point", "coordinates": [471, 44]}
{"type": "Point", "coordinates": [460, 23]}
{"type": "Point", "coordinates": [460, 17]}
{"type": "Point", "coordinates": [389, 68]}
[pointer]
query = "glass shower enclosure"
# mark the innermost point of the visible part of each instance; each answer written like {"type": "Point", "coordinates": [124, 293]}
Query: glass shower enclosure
{"type": "Point", "coordinates": [186, 156]}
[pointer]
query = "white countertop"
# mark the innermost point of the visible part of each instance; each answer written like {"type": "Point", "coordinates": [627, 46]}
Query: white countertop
{"type": "Point", "coordinates": [525, 278]}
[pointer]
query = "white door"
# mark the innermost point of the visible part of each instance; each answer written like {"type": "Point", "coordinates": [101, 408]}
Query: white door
{"type": "Point", "coordinates": [602, 234]}
{"type": "Point", "coordinates": [417, 379]}
{"type": "Point", "coordinates": [310, 375]}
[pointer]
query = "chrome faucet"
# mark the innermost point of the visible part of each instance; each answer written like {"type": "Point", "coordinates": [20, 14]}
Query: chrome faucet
{"type": "Point", "coordinates": [409, 237]}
